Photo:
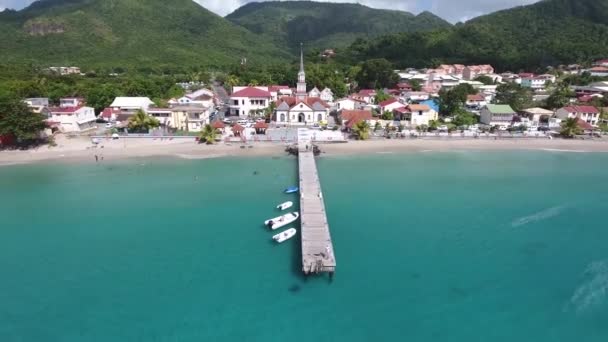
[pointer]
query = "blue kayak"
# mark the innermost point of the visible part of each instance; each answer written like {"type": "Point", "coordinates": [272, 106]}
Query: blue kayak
{"type": "Point", "coordinates": [292, 189]}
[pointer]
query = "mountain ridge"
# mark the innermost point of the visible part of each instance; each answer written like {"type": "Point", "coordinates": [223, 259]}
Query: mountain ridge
{"type": "Point", "coordinates": [325, 24]}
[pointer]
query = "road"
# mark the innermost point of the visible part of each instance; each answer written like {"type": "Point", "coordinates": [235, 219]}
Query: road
{"type": "Point", "coordinates": [222, 94]}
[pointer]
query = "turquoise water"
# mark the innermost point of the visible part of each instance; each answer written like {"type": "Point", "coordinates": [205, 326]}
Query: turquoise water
{"type": "Point", "coordinates": [463, 246]}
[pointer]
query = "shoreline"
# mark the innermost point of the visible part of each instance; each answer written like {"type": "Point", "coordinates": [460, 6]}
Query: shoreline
{"type": "Point", "coordinates": [79, 150]}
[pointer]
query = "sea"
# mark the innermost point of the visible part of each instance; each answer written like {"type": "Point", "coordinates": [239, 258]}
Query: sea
{"type": "Point", "coordinates": [450, 246]}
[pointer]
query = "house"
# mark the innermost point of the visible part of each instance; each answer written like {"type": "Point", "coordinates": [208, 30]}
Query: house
{"type": "Point", "coordinates": [73, 119]}
{"type": "Point", "coordinates": [315, 92]}
{"type": "Point", "coordinates": [37, 101]}
{"type": "Point", "coordinates": [599, 71]}
{"type": "Point", "coordinates": [389, 105]}
{"type": "Point", "coordinates": [349, 104]}
{"type": "Point", "coordinates": [416, 115]}
{"type": "Point", "coordinates": [601, 63]}
{"type": "Point", "coordinates": [589, 114]}
{"type": "Point", "coordinates": [473, 71]}
{"type": "Point", "coordinates": [586, 127]}
{"type": "Point", "coordinates": [163, 115]}
{"type": "Point", "coordinates": [537, 115]}
{"type": "Point", "coordinates": [534, 83]}
{"type": "Point", "coordinates": [201, 97]}
{"type": "Point", "coordinates": [327, 95]}
{"type": "Point", "coordinates": [475, 101]}
{"type": "Point", "coordinates": [249, 101]}
{"type": "Point", "coordinates": [278, 91]}
{"type": "Point", "coordinates": [497, 115]}
{"type": "Point", "coordinates": [70, 102]}
{"type": "Point", "coordinates": [110, 114]}
{"type": "Point", "coordinates": [189, 118]}
{"type": "Point", "coordinates": [310, 110]}
{"type": "Point", "coordinates": [352, 117]}
{"type": "Point", "coordinates": [366, 95]}
{"type": "Point", "coordinates": [130, 105]}
{"type": "Point", "coordinates": [416, 96]}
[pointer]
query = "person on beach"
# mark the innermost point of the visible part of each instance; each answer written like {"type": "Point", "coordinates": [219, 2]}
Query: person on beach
{"type": "Point", "coordinates": [96, 159]}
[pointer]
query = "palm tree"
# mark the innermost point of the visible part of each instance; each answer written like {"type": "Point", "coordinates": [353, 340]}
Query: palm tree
{"type": "Point", "coordinates": [361, 130]}
{"type": "Point", "coordinates": [142, 122]}
{"type": "Point", "coordinates": [208, 134]}
{"type": "Point", "coordinates": [570, 128]}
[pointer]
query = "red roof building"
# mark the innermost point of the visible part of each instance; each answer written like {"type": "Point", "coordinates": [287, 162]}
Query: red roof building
{"type": "Point", "coordinates": [251, 92]}
{"type": "Point", "coordinates": [64, 110]}
{"type": "Point", "coordinates": [217, 124]}
{"type": "Point", "coordinates": [352, 117]}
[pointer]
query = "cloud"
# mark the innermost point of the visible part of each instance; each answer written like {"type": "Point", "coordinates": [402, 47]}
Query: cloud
{"type": "Point", "coordinates": [451, 10]}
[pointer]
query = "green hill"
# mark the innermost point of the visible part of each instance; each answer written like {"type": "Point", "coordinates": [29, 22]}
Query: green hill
{"type": "Point", "coordinates": [549, 32]}
{"type": "Point", "coordinates": [327, 25]}
{"type": "Point", "coordinates": [127, 33]}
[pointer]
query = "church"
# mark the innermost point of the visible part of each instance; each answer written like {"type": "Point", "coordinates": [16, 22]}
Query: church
{"type": "Point", "coordinates": [301, 109]}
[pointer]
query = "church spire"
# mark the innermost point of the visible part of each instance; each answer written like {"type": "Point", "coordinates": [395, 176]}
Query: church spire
{"type": "Point", "coordinates": [301, 86]}
{"type": "Point", "coordinates": [301, 57]}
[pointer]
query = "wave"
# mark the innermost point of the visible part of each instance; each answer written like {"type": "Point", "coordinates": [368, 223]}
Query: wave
{"type": "Point", "coordinates": [594, 291]}
{"type": "Point", "coordinates": [539, 216]}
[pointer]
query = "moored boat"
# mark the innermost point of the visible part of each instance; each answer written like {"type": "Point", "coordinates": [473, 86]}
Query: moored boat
{"type": "Point", "coordinates": [282, 221]}
{"type": "Point", "coordinates": [292, 189]}
{"type": "Point", "coordinates": [285, 205]}
{"type": "Point", "coordinates": [284, 236]}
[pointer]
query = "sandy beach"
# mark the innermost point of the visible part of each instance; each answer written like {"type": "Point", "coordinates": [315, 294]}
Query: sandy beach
{"type": "Point", "coordinates": [81, 149]}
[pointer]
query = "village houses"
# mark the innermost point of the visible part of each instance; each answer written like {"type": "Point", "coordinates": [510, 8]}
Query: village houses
{"type": "Point", "coordinates": [588, 114]}
{"type": "Point", "coordinates": [497, 115]}
{"type": "Point", "coordinates": [72, 115]}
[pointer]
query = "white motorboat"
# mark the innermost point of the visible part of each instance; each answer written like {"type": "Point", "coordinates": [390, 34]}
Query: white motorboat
{"type": "Point", "coordinates": [284, 236]}
{"type": "Point", "coordinates": [281, 221]}
{"type": "Point", "coordinates": [285, 205]}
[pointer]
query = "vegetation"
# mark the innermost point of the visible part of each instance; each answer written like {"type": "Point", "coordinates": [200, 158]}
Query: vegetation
{"type": "Point", "coordinates": [570, 128]}
{"type": "Point", "coordinates": [560, 97]}
{"type": "Point", "coordinates": [208, 135]}
{"type": "Point", "coordinates": [381, 96]}
{"type": "Point", "coordinates": [128, 35]}
{"type": "Point", "coordinates": [462, 118]}
{"type": "Point", "coordinates": [361, 130]}
{"type": "Point", "coordinates": [514, 95]}
{"type": "Point", "coordinates": [452, 100]}
{"type": "Point", "coordinates": [550, 32]}
{"type": "Point", "coordinates": [377, 73]}
{"type": "Point", "coordinates": [142, 122]}
{"type": "Point", "coordinates": [487, 80]}
{"type": "Point", "coordinates": [327, 25]}
{"type": "Point", "coordinates": [19, 123]}
{"type": "Point", "coordinates": [415, 84]}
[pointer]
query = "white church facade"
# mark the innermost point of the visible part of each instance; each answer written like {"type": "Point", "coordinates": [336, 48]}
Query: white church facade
{"type": "Point", "coordinates": [301, 109]}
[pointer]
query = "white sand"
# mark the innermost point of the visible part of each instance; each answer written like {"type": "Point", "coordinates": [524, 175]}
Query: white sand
{"type": "Point", "coordinates": [80, 149]}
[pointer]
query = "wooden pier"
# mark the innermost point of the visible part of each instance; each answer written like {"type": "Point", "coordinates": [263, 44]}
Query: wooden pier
{"type": "Point", "coordinates": [317, 248]}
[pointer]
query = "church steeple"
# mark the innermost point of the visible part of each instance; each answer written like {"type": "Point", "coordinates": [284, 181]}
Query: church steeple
{"type": "Point", "coordinates": [301, 87]}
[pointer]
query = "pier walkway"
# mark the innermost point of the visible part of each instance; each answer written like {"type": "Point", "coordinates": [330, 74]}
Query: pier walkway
{"type": "Point", "coordinates": [317, 248]}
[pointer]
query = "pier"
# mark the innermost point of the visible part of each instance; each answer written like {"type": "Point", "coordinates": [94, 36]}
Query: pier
{"type": "Point", "coordinates": [317, 248]}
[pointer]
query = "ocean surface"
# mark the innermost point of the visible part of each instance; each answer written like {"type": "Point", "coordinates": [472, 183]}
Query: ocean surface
{"type": "Point", "coordinates": [460, 246]}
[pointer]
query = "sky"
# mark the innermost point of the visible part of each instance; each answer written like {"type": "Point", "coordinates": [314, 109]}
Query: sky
{"type": "Point", "coordinates": [451, 10]}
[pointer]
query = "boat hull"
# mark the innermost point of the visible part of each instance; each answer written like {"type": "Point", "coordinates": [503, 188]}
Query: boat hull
{"type": "Point", "coordinates": [284, 236]}
{"type": "Point", "coordinates": [281, 221]}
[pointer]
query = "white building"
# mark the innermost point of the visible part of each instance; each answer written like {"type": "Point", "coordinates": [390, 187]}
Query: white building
{"type": "Point", "coordinates": [476, 101]}
{"type": "Point", "coordinates": [534, 83]}
{"type": "Point", "coordinates": [73, 119]}
{"type": "Point", "coordinates": [415, 115]}
{"type": "Point", "coordinates": [315, 92]}
{"type": "Point", "coordinates": [497, 115]}
{"type": "Point", "coordinates": [327, 95]}
{"type": "Point", "coordinates": [247, 101]}
{"type": "Point", "coordinates": [537, 114]}
{"type": "Point", "coordinates": [69, 102]}
{"type": "Point", "coordinates": [389, 105]}
{"type": "Point", "coordinates": [349, 104]}
{"type": "Point", "coordinates": [589, 114]}
{"type": "Point", "coordinates": [131, 104]}
{"type": "Point", "coordinates": [416, 96]}
{"type": "Point", "coordinates": [202, 97]}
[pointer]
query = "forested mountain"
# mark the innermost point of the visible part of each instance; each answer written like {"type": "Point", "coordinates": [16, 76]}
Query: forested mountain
{"type": "Point", "coordinates": [327, 25]}
{"type": "Point", "coordinates": [127, 33]}
{"type": "Point", "coordinates": [546, 33]}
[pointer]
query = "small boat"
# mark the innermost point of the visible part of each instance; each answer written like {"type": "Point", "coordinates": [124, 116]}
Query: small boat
{"type": "Point", "coordinates": [285, 205]}
{"type": "Point", "coordinates": [282, 221]}
{"type": "Point", "coordinates": [284, 236]}
{"type": "Point", "coordinates": [292, 189]}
